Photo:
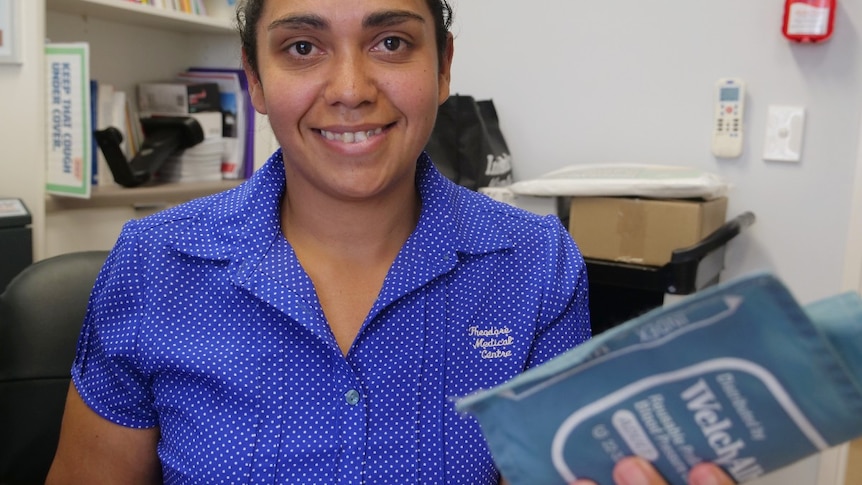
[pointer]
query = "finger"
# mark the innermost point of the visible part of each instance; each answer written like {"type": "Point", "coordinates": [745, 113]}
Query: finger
{"type": "Point", "coordinates": [708, 474]}
{"type": "Point", "coordinates": [634, 470]}
{"type": "Point", "coordinates": [637, 471]}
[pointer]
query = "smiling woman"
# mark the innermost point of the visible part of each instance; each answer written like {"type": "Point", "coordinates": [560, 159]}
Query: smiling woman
{"type": "Point", "coordinates": [312, 325]}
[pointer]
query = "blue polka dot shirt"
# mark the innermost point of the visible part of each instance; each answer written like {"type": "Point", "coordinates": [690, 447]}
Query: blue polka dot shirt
{"type": "Point", "coordinates": [204, 324]}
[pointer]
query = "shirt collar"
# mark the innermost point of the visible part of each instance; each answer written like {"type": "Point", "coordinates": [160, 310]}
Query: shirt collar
{"type": "Point", "coordinates": [243, 223]}
{"type": "Point", "coordinates": [457, 213]}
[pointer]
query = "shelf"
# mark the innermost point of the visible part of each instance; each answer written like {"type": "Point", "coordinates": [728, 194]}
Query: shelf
{"type": "Point", "coordinates": [143, 15]}
{"type": "Point", "coordinates": [145, 196]}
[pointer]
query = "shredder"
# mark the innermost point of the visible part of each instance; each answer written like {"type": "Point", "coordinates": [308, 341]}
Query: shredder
{"type": "Point", "coordinates": [16, 239]}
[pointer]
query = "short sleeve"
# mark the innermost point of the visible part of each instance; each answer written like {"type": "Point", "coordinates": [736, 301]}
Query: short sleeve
{"type": "Point", "coordinates": [564, 320]}
{"type": "Point", "coordinates": [107, 372]}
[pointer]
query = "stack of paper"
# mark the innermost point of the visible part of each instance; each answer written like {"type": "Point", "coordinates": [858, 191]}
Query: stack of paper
{"type": "Point", "coordinates": [199, 163]}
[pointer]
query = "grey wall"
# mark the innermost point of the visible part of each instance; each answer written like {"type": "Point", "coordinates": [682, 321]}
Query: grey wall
{"type": "Point", "coordinates": [632, 81]}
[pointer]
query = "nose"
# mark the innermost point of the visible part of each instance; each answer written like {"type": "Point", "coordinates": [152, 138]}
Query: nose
{"type": "Point", "coordinates": [351, 83]}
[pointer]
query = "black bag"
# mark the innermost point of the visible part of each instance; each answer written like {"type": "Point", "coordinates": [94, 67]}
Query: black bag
{"type": "Point", "coordinates": [467, 145]}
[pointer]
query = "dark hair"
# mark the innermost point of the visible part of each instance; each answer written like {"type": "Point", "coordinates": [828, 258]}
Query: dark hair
{"type": "Point", "coordinates": [248, 14]}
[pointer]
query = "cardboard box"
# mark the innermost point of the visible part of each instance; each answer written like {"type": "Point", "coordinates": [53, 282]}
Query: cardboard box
{"type": "Point", "coordinates": [641, 231]}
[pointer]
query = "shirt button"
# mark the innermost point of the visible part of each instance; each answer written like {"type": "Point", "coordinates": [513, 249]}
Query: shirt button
{"type": "Point", "coordinates": [352, 397]}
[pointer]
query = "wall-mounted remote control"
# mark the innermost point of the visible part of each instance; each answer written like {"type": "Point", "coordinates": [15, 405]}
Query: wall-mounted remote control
{"type": "Point", "coordinates": [729, 111]}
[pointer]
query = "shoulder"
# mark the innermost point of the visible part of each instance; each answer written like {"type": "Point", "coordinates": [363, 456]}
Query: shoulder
{"type": "Point", "coordinates": [220, 225]}
{"type": "Point", "coordinates": [484, 215]}
{"type": "Point", "coordinates": [478, 222]}
{"type": "Point", "coordinates": [175, 218]}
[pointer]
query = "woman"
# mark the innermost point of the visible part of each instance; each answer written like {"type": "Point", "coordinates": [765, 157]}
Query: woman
{"type": "Point", "coordinates": [312, 325]}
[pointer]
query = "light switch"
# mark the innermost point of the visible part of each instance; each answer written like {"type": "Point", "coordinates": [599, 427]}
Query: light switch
{"type": "Point", "coordinates": [784, 129]}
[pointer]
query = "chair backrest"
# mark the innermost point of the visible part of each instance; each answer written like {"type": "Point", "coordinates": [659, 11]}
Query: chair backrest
{"type": "Point", "coordinates": [41, 312]}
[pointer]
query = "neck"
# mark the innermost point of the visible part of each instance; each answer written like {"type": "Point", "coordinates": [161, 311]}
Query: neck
{"type": "Point", "coordinates": [370, 229]}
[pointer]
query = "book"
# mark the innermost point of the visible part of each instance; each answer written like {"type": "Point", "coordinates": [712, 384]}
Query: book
{"type": "Point", "coordinates": [94, 121]}
{"type": "Point", "coordinates": [103, 101]}
{"type": "Point", "coordinates": [739, 374]}
{"type": "Point", "coordinates": [133, 124]}
{"type": "Point", "coordinates": [234, 116]}
{"type": "Point", "coordinates": [69, 127]}
{"type": "Point", "coordinates": [221, 9]}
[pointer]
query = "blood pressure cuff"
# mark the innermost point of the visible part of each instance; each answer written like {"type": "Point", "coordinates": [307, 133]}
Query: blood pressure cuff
{"type": "Point", "coordinates": [738, 374]}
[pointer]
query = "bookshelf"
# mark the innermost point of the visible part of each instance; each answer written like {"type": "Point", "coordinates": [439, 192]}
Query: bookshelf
{"type": "Point", "coordinates": [129, 43]}
{"type": "Point", "coordinates": [155, 195]}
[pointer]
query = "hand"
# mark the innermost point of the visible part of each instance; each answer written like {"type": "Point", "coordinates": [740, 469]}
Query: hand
{"type": "Point", "coordinates": [637, 471]}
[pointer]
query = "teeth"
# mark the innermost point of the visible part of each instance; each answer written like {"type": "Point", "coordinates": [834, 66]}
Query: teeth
{"type": "Point", "coordinates": [355, 137]}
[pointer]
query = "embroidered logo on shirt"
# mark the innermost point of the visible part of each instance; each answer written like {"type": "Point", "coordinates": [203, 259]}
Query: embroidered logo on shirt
{"type": "Point", "coordinates": [492, 342]}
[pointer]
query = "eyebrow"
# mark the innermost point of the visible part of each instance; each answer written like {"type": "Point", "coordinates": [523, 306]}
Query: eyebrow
{"type": "Point", "coordinates": [386, 18]}
{"type": "Point", "coordinates": [389, 18]}
{"type": "Point", "coordinates": [302, 21]}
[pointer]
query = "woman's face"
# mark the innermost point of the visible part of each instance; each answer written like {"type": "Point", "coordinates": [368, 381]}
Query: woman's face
{"type": "Point", "coordinates": [351, 89]}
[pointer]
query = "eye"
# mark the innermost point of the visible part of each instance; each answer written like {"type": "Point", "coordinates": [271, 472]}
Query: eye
{"type": "Point", "coordinates": [392, 44]}
{"type": "Point", "coordinates": [302, 48]}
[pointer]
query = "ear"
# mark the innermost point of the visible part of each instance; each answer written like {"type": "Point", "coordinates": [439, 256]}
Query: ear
{"type": "Point", "coordinates": [445, 75]}
{"type": "Point", "coordinates": [255, 88]}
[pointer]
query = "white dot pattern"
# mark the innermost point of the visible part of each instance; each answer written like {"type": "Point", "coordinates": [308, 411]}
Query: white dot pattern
{"type": "Point", "coordinates": [203, 323]}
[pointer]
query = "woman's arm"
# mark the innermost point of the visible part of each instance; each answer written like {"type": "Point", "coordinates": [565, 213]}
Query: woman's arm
{"type": "Point", "coordinates": [95, 450]}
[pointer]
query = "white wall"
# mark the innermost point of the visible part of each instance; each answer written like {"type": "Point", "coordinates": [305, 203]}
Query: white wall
{"type": "Point", "coordinates": [22, 139]}
{"type": "Point", "coordinates": [632, 81]}
{"type": "Point", "coordinates": [589, 82]}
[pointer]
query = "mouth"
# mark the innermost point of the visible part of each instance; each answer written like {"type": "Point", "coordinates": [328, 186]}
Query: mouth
{"type": "Point", "coordinates": [350, 137]}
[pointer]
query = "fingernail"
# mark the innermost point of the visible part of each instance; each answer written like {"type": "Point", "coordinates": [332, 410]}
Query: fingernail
{"type": "Point", "coordinates": [630, 472]}
{"type": "Point", "coordinates": [703, 479]}
{"type": "Point", "coordinates": [709, 480]}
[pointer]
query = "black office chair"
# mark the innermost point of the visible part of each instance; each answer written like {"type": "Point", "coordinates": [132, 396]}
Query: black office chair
{"type": "Point", "coordinates": [41, 312]}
